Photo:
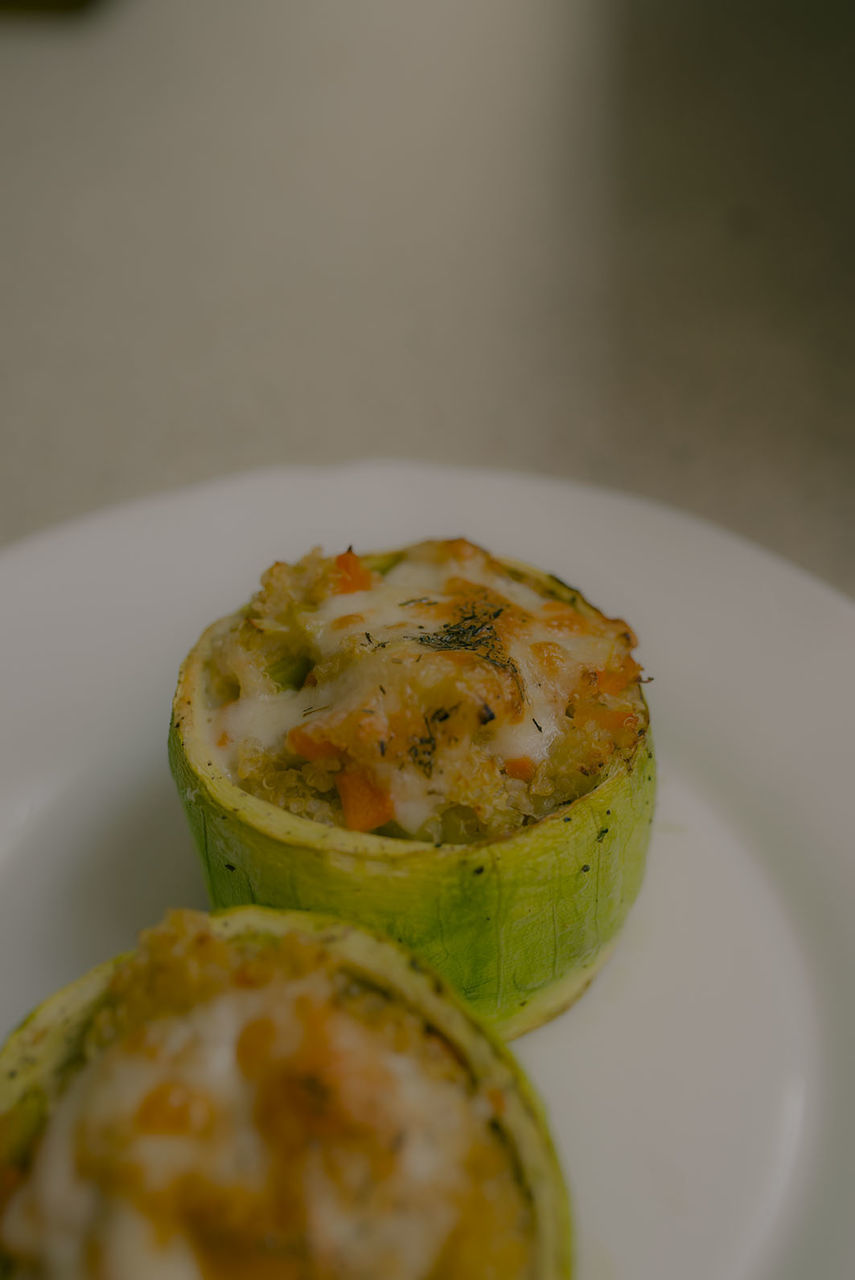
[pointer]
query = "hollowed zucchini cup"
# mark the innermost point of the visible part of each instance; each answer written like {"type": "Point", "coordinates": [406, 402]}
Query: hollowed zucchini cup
{"type": "Point", "coordinates": [519, 925]}
{"type": "Point", "coordinates": [432, 1031]}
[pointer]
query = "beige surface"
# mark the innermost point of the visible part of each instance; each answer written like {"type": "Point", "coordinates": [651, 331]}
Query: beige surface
{"type": "Point", "coordinates": [548, 235]}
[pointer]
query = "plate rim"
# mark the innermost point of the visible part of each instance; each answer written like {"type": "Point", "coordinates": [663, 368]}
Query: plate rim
{"type": "Point", "coordinates": [108, 511]}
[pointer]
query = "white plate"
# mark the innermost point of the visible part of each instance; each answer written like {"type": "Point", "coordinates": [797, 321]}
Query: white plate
{"type": "Point", "coordinates": [700, 1092]}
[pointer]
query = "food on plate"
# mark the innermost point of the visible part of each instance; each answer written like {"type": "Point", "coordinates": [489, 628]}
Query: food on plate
{"type": "Point", "coordinates": [265, 1094]}
{"type": "Point", "coordinates": [443, 745]}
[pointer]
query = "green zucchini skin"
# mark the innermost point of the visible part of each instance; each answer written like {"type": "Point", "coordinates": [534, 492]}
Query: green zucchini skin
{"type": "Point", "coordinates": [40, 1057]}
{"type": "Point", "coordinates": [518, 926]}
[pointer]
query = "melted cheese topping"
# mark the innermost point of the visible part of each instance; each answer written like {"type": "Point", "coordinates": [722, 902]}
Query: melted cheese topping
{"type": "Point", "coordinates": [446, 698]}
{"type": "Point", "coordinates": [298, 1128]}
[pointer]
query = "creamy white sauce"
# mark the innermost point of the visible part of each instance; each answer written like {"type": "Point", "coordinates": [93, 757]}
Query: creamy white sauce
{"type": "Point", "coordinates": [266, 718]}
{"type": "Point", "coordinates": [410, 795]}
{"type": "Point", "coordinates": [380, 608]}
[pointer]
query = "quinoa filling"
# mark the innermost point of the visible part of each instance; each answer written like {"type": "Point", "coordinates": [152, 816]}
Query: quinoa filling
{"type": "Point", "coordinates": [434, 693]}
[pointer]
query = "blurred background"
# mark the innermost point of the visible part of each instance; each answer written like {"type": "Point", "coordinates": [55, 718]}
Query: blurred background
{"type": "Point", "coordinates": [603, 239]}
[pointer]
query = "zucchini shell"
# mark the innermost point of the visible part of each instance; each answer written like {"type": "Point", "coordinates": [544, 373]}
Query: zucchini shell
{"type": "Point", "coordinates": [41, 1055]}
{"type": "Point", "coordinates": [519, 926]}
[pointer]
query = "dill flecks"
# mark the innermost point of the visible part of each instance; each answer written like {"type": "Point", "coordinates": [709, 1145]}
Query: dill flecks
{"type": "Point", "coordinates": [473, 632]}
{"type": "Point", "coordinates": [422, 750]}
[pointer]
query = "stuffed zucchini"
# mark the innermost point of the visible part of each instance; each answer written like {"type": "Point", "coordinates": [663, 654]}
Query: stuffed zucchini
{"type": "Point", "coordinates": [437, 744]}
{"type": "Point", "coordinates": [262, 1095]}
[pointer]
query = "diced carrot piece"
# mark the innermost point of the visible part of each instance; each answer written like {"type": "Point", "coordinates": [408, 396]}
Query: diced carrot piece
{"type": "Point", "coordinates": [615, 679]}
{"type": "Point", "coordinates": [224, 739]}
{"type": "Point", "coordinates": [521, 767]}
{"type": "Point", "coordinates": [352, 573]}
{"type": "Point", "coordinates": [310, 747]}
{"type": "Point", "coordinates": [366, 805]}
